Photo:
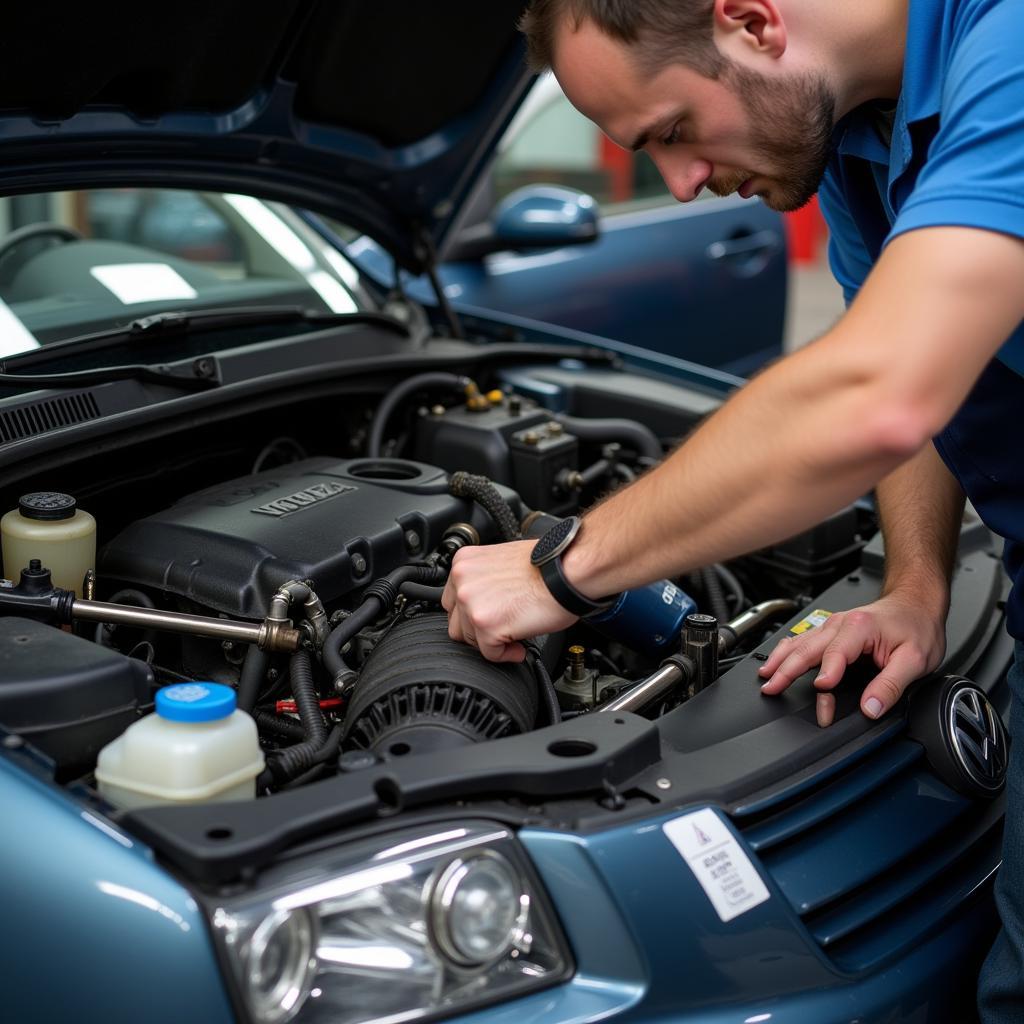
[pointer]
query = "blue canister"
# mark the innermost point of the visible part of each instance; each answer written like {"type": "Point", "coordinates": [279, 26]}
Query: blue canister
{"type": "Point", "coordinates": [648, 619]}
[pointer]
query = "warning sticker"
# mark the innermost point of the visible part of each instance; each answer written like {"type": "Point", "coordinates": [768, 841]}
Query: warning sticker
{"type": "Point", "coordinates": [718, 862]}
{"type": "Point", "coordinates": [816, 618]}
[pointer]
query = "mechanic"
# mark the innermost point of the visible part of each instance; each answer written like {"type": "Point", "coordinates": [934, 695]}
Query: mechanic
{"type": "Point", "coordinates": [908, 115]}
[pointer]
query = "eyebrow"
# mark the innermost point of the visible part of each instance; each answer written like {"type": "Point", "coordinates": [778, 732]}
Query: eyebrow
{"type": "Point", "coordinates": [654, 128]}
{"type": "Point", "coordinates": [643, 138]}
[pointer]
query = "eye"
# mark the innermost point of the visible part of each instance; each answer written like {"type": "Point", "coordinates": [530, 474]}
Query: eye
{"type": "Point", "coordinates": [672, 135]}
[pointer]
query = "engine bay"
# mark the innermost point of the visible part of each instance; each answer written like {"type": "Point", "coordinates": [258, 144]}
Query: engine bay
{"type": "Point", "coordinates": [311, 586]}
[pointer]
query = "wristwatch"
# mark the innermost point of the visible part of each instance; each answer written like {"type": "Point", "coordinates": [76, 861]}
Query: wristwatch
{"type": "Point", "coordinates": [547, 556]}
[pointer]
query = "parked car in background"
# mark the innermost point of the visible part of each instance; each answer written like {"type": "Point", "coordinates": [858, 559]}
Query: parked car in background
{"type": "Point", "coordinates": [246, 775]}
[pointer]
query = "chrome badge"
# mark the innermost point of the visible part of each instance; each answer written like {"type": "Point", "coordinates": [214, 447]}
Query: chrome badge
{"type": "Point", "coordinates": [976, 737]}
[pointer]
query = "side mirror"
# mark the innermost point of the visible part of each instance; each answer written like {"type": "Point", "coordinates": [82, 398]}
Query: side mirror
{"type": "Point", "coordinates": [534, 217]}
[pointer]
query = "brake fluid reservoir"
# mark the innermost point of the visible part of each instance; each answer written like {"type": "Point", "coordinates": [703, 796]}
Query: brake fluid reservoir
{"type": "Point", "coordinates": [49, 526]}
{"type": "Point", "coordinates": [196, 748]}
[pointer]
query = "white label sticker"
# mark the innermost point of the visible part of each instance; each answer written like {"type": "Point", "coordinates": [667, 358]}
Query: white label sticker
{"type": "Point", "coordinates": [143, 282]}
{"type": "Point", "coordinates": [718, 862]}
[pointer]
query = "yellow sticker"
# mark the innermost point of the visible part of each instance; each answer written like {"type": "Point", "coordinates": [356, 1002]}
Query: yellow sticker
{"type": "Point", "coordinates": [816, 618]}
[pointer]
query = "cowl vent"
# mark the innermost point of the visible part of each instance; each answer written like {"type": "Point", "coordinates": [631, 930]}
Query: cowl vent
{"type": "Point", "coordinates": [50, 414]}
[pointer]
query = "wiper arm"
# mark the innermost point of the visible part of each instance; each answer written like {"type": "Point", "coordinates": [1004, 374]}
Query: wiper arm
{"type": "Point", "coordinates": [161, 325]}
{"type": "Point", "coordinates": [204, 369]}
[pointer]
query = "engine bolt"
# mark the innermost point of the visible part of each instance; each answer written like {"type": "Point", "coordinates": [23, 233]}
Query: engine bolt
{"type": "Point", "coordinates": [359, 565]}
{"type": "Point", "coordinates": [437, 410]}
{"type": "Point", "coordinates": [412, 540]}
{"type": "Point", "coordinates": [664, 784]}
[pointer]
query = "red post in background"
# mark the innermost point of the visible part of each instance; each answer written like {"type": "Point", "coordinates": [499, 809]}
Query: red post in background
{"type": "Point", "coordinates": [806, 232]}
{"type": "Point", "coordinates": [617, 163]}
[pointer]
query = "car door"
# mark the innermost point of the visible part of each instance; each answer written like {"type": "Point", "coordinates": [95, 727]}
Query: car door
{"type": "Point", "coordinates": [705, 281]}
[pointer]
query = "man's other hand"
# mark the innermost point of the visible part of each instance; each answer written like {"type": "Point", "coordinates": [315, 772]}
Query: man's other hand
{"type": "Point", "coordinates": [904, 641]}
{"type": "Point", "coordinates": [495, 598]}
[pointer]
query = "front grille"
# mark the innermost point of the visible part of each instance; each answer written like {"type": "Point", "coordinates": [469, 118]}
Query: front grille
{"type": "Point", "coordinates": [878, 855]}
{"type": "Point", "coordinates": [49, 414]}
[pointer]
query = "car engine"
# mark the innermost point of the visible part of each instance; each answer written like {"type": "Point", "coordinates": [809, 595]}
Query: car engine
{"type": "Point", "coordinates": [312, 589]}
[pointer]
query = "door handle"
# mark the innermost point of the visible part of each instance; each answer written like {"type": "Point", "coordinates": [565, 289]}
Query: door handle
{"type": "Point", "coordinates": [761, 243]}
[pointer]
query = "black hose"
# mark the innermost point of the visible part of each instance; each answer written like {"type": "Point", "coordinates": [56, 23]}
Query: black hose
{"type": "Point", "coordinates": [307, 699]}
{"type": "Point", "coordinates": [252, 677]}
{"type": "Point", "coordinates": [714, 593]}
{"type": "Point", "coordinates": [632, 433]}
{"type": "Point", "coordinates": [280, 725]}
{"type": "Point", "coordinates": [488, 497]}
{"type": "Point", "coordinates": [328, 751]}
{"type": "Point", "coordinates": [546, 688]}
{"type": "Point", "coordinates": [398, 394]}
{"type": "Point", "coordinates": [284, 765]}
{"type": "Point", "coordinates": [419, 592]}
{"type": "Point", "coordinates": [378, 596]}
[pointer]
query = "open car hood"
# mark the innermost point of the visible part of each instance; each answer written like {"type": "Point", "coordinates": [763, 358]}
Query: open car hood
{"type": "Point", "coordinates": [377, 112]}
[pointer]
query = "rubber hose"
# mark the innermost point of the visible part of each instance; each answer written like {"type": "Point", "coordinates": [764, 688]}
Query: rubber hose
{"type": "Point", "coordinates": [307, 699]}
{"type": "Point", "coordinates": [328, 751]}
{"type": "Point", "coordinates": [634, 434]}
{"type": "Point", "coordinates": [715, 595]}
{"type": "Point", "coordinates": [280, 725]}
{"type": "Point", "coordinates": [252, 677]}
{"type": "Point", "coordinates": [488, 497]}
{"type": "Point", "coordinates": [419, 592]}
{"type": "Point", "coordinates": [548, 694]}
{"type": "Point", "coordinates": [398, 394]}
{"type": "Point", "coordinates": [294, 761]}
{"type": "Point", "coordinates": [379, 595]}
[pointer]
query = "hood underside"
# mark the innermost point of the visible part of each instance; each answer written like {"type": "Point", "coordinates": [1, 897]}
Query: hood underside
{"type": "Point", "coordinates": [380, 114]}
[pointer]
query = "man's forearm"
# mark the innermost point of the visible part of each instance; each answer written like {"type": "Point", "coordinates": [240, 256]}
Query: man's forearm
{"type": "Point", "coordinates": [823, 426]}
{"type": "Point", "coordinates": [921, 506]}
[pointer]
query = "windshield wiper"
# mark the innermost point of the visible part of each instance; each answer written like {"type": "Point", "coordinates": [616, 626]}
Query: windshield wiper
{"type": "Point", "coordinates": [204, 370]}
{"type": "Point", "coordinates": [163, 325]}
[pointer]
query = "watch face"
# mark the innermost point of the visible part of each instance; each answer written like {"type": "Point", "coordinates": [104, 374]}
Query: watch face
{"type": "Point", "coordinates": [555, 541]}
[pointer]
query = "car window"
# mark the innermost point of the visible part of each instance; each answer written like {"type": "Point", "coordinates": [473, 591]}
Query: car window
{"type": "Point", "coordinates": [551, 142]}
{"type": "Point", "coordinates": [72, 263]}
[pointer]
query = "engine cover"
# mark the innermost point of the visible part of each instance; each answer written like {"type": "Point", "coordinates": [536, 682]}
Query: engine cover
{"type": "Point", "coordinates": [339, 524]}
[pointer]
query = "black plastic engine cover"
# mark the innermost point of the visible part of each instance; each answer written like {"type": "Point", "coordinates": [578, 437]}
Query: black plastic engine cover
{"type": "Point", "coordinates": [339, 524]}
{"type": "Point", "coordinates": [65, 695]}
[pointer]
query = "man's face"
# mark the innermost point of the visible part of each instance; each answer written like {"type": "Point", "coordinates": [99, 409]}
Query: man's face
{"type": "Point", "coordinates": [746, 132]}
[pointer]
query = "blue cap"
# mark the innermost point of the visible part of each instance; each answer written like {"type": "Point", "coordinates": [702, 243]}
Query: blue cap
{"type": "Point", "coordinates": [195, 702]}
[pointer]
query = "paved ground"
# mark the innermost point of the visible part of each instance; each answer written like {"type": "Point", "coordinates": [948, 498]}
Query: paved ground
{"type": "Point", "coordinates": [815, 303]}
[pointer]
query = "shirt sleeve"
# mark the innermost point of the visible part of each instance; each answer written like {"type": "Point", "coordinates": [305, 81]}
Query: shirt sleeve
{"type": "Point", "coordinates": [974, 174]}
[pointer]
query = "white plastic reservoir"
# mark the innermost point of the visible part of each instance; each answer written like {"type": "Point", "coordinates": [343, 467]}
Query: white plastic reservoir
{"type": "Point", "coordinates": [195, 748]}
{"type": "Point", "coordinates": [49, 526]}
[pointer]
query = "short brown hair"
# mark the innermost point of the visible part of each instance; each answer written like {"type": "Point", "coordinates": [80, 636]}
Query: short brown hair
{"type": "Point", "coordinates": [663, 32]}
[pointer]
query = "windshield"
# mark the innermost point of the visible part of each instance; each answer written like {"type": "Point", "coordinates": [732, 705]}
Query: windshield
{"type": "Point", "coordinates": [73, 263]}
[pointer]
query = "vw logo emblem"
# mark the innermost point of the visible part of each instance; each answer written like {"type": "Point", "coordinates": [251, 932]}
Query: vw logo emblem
{"type": "Point", "coordinates": [976, 737]}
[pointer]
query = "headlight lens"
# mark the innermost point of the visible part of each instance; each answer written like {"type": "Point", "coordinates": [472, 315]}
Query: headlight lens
{"type": "Point", "coordinates": [439, 921]}
{"type": "Point", "coordinates": [279, 964]}
{"type": "Point", "coordinates": [479, 909]}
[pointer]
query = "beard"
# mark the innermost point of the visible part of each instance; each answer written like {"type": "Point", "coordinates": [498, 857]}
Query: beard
{"type": "Point", "coordinates": [791, 124]}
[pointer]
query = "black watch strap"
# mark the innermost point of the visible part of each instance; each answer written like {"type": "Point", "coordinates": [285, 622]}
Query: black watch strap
{"type": "Point", "coordinates": [565, 593]}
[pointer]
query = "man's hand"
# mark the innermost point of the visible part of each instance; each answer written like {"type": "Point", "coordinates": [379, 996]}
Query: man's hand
{"type": "Point", "coordinates": [905, 642]}
{"type": "Point", "coordinates": [495, 597]}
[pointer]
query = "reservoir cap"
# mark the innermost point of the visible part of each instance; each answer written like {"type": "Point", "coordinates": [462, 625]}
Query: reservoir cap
{"type": "Point", "coordinates": [47, 505]}
{"type": "Point", "coordinates": [195, 702]}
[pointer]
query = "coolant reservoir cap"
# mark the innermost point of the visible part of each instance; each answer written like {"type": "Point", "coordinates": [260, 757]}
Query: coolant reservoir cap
{"type": "Point", "coordinates": [47, 505]}
{"type": "Point", "coordinates": [195, 702]}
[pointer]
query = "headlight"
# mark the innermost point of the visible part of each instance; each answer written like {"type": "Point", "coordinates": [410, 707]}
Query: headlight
{"type": "Point", "coordinates": [436, 923]}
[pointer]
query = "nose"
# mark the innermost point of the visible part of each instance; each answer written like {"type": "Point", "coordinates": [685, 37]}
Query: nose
{"type": "Point", "coordinates": [684, 174]}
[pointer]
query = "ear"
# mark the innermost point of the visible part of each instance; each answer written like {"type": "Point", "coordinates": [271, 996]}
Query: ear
{"type": "Point", "coordinates": [756, 26]}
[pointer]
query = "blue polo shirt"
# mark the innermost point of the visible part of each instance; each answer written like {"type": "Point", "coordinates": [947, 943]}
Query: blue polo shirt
{"type": "Point", "coordinates": [955, 158]}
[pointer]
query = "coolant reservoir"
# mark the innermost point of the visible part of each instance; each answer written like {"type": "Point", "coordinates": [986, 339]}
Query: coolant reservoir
{"type": "Point", "coordinates": [49, 526]}
{"type": "Point", "coordinates": [196, 748]}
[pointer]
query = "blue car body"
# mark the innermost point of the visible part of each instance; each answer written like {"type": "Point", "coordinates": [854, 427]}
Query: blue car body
{"type": "Point", "coordinates": [869, 859]}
